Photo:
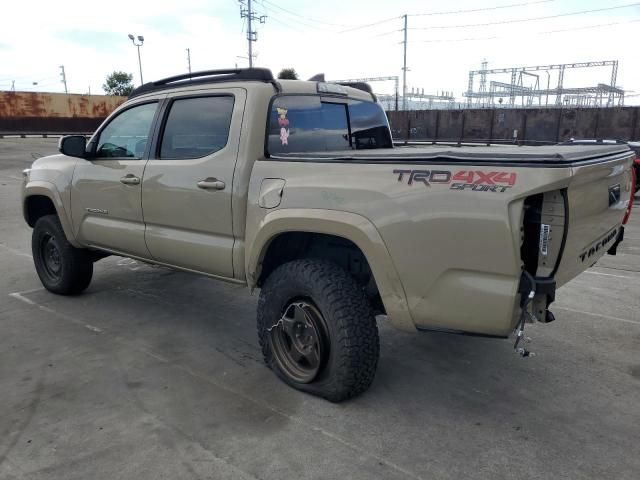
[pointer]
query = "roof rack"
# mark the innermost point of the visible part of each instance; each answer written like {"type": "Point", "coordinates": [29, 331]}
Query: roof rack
{"type": "Point", "coordinates": [205, 76]}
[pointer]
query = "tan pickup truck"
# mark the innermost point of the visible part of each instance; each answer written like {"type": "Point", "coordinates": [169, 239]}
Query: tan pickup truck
{"type": "Point", "coordinates": [296, 188]}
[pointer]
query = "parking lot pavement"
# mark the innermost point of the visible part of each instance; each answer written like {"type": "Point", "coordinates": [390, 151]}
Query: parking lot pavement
{"type": "Point", "coordinates": [157, 374]}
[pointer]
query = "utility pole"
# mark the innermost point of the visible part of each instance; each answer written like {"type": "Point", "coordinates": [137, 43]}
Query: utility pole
{"type": "Point", "coordinates": [189, 59]}
{"type": "Point", "coordinates": [64, 78]}
{"type": "Point", "coordinates": [404, 66]}
{"type": "Point", "coordinates": [13, 85]}
{"type": "Point", "coordinates": [252, 35]}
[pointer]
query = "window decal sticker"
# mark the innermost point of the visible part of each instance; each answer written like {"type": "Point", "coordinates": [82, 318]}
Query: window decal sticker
{"type": "Point", "coordinates": [283, 122]}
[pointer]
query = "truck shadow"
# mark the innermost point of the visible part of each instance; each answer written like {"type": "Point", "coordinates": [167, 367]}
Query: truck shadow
{"type": "Point", "coordinates": [191, 319]}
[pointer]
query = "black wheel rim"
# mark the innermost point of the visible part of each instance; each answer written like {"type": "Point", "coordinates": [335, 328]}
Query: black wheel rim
{"type": "Point", "coordinates": [50, 255]}
{"type": "Point", "coordinates": [299, 341]}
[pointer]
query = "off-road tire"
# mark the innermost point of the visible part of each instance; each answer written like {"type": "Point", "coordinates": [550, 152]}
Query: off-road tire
{"type": "Point", "coordinates": [74, 267]}
{"type": "Point", "coordinates": [350, 364]}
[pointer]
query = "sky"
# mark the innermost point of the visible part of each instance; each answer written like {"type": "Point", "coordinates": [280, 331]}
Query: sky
{"type": "Point", "coordinates": [330, 36]}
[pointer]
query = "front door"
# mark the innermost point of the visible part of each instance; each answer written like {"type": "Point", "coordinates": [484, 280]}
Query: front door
{"type": "Point", "coordinates": [187, 184]}
{"type": "Point", "coordinates": [106, 188]}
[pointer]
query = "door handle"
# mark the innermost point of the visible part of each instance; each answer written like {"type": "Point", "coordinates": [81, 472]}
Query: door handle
{"type": "Point", "coordinates": [130, 180]}
{"type": "Point", "coordinates": [211, 184]}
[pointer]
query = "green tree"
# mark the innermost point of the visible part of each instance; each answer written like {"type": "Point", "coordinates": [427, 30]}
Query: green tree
{"type": "Point", "coordinates": [118, 83]}
{"type": "Point", "coordinates": [288, 74]}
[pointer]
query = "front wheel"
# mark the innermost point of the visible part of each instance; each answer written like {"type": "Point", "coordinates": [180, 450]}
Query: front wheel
{"type": "Point", "coordinates": [316, 329]}
{"type": "Point", "coordinates": [62, 268]}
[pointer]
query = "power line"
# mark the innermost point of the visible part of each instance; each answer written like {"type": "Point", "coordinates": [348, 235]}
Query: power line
{"type": "Point", "coordinates": [282, 22]}
{"type": "Point", "coordinates": [483, 9]}
{"type": "Point", "coordinates": [358, 27]}
{"type": "Point", "coordinates": [587, 27]}
{"type": "Point", "coordinates": [547, 17]}
{"type": "Point", "coordinates": [302, 23]}
{"type": "Point", "coordinates": [302, 16]}
{"type": "Point", "coordinates": [495, 37]}
{"type": "Point", "coordinates": [371, 24]}
{"type": "Point", "coordinates": [387, 33]}
{"type": "Point", "coordinates": [300, 26]}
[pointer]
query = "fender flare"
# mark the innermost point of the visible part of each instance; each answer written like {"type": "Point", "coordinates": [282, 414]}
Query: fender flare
{"type": "Point", "coordinates": [349, 226]}
{"type": "Point", "coordinates": [49, 190]}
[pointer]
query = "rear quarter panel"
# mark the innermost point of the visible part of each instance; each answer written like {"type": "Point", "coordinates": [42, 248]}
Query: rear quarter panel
{"type": "Point", "coordinates": [455, 251]}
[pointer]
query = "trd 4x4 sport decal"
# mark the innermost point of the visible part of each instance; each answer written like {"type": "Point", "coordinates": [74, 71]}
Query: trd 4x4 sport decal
{"type": "Point", "coordinates": [476, 180]}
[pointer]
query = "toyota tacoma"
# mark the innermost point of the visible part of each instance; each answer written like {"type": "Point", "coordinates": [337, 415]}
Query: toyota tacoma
{"type": "Point", "coordinates": [295, 188]}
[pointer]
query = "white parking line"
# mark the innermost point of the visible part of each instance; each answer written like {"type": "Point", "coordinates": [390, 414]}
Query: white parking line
{"type": "Point", "coordinates": [15, 252]}
{"type": "Point", "coordinates": [22, 299]}
{"type": "Point", "coordinates": [608, 274]}
{"type": "Point", "coordinates": [608, 317]}
{"type": "Point", "coordinates": [19, 296]}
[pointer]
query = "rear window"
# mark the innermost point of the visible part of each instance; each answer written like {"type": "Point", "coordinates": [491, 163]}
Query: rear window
{"type": "Point", "coordinates": [300, 124]}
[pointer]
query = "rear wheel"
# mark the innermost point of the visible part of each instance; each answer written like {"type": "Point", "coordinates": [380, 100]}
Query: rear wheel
{"type": "Point", "coordinates": [317, 331]}
{"type": "Point", "coordinates": [62, 268]}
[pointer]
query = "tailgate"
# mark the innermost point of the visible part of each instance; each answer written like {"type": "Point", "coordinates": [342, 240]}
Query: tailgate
{"type": "Point", "coordinates": [597, 196]}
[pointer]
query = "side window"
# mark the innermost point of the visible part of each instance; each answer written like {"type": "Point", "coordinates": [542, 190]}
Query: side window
{"type": "Point", "coordinates": [305, 124]}
{"type": "Point", "coordinates": [196, 127]}
{"type": "Point", "coordinates": [369, 126]}
{"type": "Point", "coordinates": [126, 135]}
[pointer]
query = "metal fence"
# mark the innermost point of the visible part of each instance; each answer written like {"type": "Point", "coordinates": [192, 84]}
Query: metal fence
{"type": "Point", "coordinates": [25, 113]}
{"type": "Point", "coordinates": [35, 112]}
{"type": "Point", "coordinates": [521, 126]}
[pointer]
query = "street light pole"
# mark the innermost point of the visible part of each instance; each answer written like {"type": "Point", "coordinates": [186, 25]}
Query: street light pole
{"type": "Point", "coordinates": [140, 39]}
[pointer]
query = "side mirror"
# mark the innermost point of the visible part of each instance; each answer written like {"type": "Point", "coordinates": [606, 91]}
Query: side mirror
{"type": "Point", "coordinates": [73, 146]}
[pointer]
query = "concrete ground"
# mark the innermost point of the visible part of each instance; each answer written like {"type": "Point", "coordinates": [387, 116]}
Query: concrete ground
{"type": "Point", "coordinates": [157, 374]}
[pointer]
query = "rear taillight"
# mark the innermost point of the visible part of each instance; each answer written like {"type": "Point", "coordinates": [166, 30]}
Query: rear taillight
{"type": "Point", "coordinates": [633, 192]}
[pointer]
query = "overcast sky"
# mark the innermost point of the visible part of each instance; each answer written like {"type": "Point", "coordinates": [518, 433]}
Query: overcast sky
{"type": "Point", "coordinates": [90, 39]}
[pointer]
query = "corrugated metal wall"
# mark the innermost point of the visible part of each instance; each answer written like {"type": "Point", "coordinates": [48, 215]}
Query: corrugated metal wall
{"type": "Point", "coordinates": [530, 125]}
{"type": "Point", "coordinates": [32, 112]}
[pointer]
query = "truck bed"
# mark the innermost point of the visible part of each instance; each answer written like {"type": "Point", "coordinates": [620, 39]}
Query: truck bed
{"type": "Point", "coordinates": [463, 222]}
{"type": "Point", "coordinates": [548, 155]}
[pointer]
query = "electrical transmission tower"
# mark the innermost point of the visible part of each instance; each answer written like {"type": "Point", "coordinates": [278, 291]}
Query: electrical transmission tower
{"type": "Point", "coordinates": [247, 12]}
{"type": "Point", "coordinates": [525, 84]}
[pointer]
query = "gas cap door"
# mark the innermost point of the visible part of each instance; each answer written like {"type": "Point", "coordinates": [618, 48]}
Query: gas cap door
{"type": "Point", "coordinates": [271, 191]}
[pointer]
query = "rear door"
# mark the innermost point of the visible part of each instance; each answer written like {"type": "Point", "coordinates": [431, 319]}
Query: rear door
{"type": "Point", "coordinates": [186, 189]}
{"type": "Point", "coordinates": [106, 188]}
